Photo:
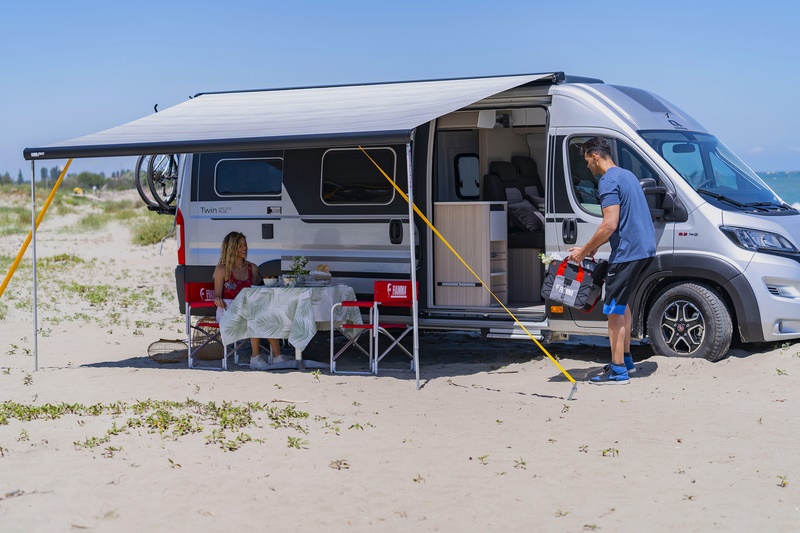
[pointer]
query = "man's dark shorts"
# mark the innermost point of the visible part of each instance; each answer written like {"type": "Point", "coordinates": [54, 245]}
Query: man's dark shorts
{"type": "Point", "coordinates": [620, 282]}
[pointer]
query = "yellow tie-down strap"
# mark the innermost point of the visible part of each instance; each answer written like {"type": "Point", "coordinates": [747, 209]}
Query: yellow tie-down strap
{"type": "Point", "coordinates": [439, 235]}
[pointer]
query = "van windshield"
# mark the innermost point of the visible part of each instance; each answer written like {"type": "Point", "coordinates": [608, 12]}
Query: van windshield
{"type": "Point", "coordinates": [714, 171]}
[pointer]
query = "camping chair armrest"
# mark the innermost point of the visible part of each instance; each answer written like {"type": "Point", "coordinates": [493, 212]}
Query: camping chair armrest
{"type": "Point", "coordinates": [356, 303]}
{"type": "Point", "coordinates": [202, 304]}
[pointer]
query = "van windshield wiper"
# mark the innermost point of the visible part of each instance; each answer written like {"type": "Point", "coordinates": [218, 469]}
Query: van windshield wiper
{"type": "Point", "coordinates": [770, 205]}
{"type": "Point", "coordinates": [720, 197]}
{"type": "Point", "coordinates": [761, 206]}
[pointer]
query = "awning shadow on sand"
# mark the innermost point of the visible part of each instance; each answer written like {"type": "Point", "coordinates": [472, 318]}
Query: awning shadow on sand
{"type": "Point", "coordinates": [452, 354]}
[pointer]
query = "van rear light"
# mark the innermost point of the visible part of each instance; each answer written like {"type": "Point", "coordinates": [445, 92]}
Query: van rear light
{"type": "Point", "coordinates": [181, 240]}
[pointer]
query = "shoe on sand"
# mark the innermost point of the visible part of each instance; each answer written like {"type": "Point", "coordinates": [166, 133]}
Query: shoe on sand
{"type": "Point", "coordinates": [629, 366]}
{"type": "Point", "coordinates": [615, 375]}
{"type": "Point", "coordinates": [279, 359]}
{"type": "Point", "coordinates": [257, 363]}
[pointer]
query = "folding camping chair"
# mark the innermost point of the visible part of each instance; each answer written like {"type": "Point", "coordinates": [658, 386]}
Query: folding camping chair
{"type": "Point", "coordinates": [386, 294]}
{"type": "Point", "coordinates": [198, 296]}
{"type": "Point", "coordinates": [391, 294]}
{"type": "Point", "coordinates": [355, 334]}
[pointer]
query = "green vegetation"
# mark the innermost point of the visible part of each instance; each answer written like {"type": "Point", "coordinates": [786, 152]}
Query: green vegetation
{"type": "Point", "coordinates": [154, 228]}
{"type": "Point", "coordinates": [14, 220]}
{"type": "Point", "coordinates": [57, 262]}
{"type": "Point", "coordinates": [92, 222]}
{"type": "Point", "coordinates": [166, 418]}
{"type": "Point", "coordinates": [94, 294]}
{"type": "Point", "coordinates": [121, 209]}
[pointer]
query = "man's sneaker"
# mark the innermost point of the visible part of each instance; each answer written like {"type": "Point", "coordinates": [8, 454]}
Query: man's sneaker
{"type": "Point", "coordinates": [629, 366]}
{"type": "Point", "coordinates": [257, 363]}
{"type": "Point", "coordinates": [612, 376]}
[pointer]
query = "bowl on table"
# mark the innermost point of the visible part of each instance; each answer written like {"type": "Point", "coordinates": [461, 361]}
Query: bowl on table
{"type": "Point", "coordinates": [270, 282]}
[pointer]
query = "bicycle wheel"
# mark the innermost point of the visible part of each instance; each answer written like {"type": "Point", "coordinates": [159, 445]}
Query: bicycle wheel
{"type": "Point", "coordinates": [162, 177]}
{"type": "Point", "coordinates": [141, 176]}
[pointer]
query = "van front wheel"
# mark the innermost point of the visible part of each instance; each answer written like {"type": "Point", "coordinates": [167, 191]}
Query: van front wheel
{"type": "Point", "coordinates": [690, 319]}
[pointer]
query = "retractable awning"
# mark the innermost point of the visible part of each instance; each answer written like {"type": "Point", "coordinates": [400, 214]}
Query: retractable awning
{"type": "Point", "coordinates": [287, 118]}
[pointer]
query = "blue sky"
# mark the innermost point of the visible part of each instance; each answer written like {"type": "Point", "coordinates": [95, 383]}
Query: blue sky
{"type": "Point", "coordinates": [73, 68]}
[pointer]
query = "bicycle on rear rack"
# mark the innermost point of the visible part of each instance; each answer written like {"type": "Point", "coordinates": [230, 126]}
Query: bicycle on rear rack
{"type": "Point", "coordinates": [162, 177]}
{"type": "Point", "coordinates": [156, 179]}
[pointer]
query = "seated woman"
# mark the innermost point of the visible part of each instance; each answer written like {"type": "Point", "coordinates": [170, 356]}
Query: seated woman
{"type": "Point", "coordinates": [234, 273]}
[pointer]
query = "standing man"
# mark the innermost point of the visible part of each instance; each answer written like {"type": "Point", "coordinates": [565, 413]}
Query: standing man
{"type": "Point", "coordinates": [627, 226]}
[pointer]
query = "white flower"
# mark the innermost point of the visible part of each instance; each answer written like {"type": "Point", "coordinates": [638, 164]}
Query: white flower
{"type": "Point", "coordinates": [549, 258]}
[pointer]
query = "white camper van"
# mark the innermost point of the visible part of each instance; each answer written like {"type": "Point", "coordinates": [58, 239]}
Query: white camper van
{"type": "Point", "coordinates": [495, 165]}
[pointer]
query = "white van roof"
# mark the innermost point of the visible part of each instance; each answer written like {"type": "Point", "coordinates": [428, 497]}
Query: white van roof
{"type": "Point", "coordinates": [286, 118]}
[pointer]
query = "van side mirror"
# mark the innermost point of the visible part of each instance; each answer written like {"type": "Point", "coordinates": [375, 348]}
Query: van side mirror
{"type": "Point", "coordinates": [654, 196]}
{"type": "Point", "coordinates": [674, 210]}
{"type": "Point", "coordinates": [663, 204]}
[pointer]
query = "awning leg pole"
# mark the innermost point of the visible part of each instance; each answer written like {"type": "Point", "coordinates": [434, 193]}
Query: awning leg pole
{"type": "Point", "coordinates": [413, 262]}
{"type": "Point", "coordinates": [573, 391]}
{"type": "Point", "coordinates": [33, 237]}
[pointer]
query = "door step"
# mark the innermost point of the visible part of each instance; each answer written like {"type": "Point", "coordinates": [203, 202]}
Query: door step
{"type": "Point", "coordinates": [517, 333]}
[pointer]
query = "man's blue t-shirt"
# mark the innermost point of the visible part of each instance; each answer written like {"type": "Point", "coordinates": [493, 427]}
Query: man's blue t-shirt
{"type": "Point", "coordinates": [635, 236]}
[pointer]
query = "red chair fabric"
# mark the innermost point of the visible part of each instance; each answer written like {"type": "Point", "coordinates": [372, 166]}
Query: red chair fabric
{"type": "Point", "coordinates": [200, 295]}
{"type": "Point", "coordinates": [386, 293]}
{"type": "Point", "coordinates": [394, 293]}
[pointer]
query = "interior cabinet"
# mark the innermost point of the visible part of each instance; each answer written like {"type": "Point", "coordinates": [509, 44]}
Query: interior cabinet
{"type": "Point", "coordinates": [525, 275]}
{"type": "Point", "coordinates": [478, 231]}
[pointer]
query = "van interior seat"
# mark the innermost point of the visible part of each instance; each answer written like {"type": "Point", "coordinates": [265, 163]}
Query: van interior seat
{"type": "Point", "coordinates": [493, 189]}
{"type": "Point", "coordinates": [525, 221]}
{"type": "Point", "coordinates": [528, 173]}
{"type": "Point", "coordinates": [509, 176]}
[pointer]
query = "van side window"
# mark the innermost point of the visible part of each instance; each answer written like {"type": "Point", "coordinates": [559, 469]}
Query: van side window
{"type": "Point", "coordinates": [630, 160]}
{"type": "Point", "coordinates": [349, 177]}
{"type": "Point", "coordinates": [585, 184]}
{"type": "Point", "coordinates": [248, 177]}
{"type": "Point", "coordinates": [468, 176]}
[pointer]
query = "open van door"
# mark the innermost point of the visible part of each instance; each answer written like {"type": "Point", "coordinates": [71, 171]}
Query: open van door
{"type": "Point", "coordinates": [576, 202]}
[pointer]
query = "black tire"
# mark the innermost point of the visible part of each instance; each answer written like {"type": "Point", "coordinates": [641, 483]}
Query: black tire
{"type": "Point", "coordinates": [141, 177]}
{"type": "Point", "coordinates": [162, 179]}
{"type": "Point", "coordinates": [690, 319]}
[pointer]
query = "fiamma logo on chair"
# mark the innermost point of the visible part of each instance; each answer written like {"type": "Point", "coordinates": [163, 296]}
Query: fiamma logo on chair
{"type": "Point", "coordinates": [398, 292]}
{"type": "Point", "coordinates": [207, 295]}
{"type": "Point", "coordinates": [395, 290]}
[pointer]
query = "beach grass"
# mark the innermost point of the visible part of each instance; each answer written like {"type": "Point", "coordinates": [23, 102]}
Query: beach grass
{"type": "Point", "coordinates": [152, 229]}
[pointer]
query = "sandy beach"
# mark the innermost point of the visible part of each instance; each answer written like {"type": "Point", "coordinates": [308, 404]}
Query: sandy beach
{"type": "Point", "coordinates": [103, 438]}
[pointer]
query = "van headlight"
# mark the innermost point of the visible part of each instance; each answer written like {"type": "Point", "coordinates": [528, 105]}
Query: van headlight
{"type": "Point", "coordinates": [758, 240]}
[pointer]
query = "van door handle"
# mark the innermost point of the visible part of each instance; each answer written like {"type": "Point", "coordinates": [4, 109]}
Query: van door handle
{"type": "Point", "coordinates": [569, 231]}
{"type": "Point", "coordinates": [396, 231]}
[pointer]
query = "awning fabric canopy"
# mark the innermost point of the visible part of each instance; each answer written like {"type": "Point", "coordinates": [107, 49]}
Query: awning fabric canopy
{"type": "Point", "coordinates": [286, 118]}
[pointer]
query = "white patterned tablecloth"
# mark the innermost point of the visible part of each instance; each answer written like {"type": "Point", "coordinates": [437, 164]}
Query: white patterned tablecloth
{"type": "Point", "coordinates": [281, 313]}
